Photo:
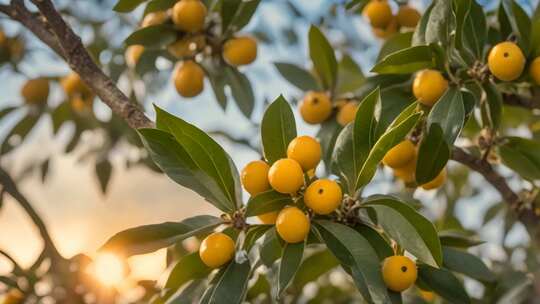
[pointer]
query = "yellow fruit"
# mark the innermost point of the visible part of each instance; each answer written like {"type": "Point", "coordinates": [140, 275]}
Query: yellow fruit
{"type": "Point", "coordinates": [400, 155]}
{"type": "Point", "coordinates": [407, 173]}
{"type": "Point", "coordinates": [408, 16]}
{"type": "Point", "coordinates": [436, 182]}
{"type": "Point", "coordinates": [216, 250]}
{"type": "Point", "coordinates": [534, 70]}
{"type": "Point", "coordinates": [286, 176]}
{"type": "Point", "coordinates": [378, 12]}
{"type": "Point", "coordinates": [306, 150]}
{"type": "Point", "coordinates": [428, 296]}
{"type": "Point", "coordinates": [133, 54]}
{"type": "Point", "coordinates": [399, 272]}
{"type": "Point", "coordinates": [3, 38]}
{"type": "Point", "coordinates": [79, 104]}
{"type": "Point", "coordinates": [240, 51]}
{"type": "Point", "coordinates": [429, 86]}
{"type": "Point", "coordinates": [506, 61]}
{"type": "Point", "coordinates": [347, 113]}
{"type": "Point", "coordinates": [187, 46]}
{"type": "Point", "coordinates": [35, 91]}
{"type": "Point", "coordinates": [189, 15]}
{"type": "Point", "coordinates": [388, 31]}
{"type": "Point", "coordinates": [316, 107]}
{"type": "Point", "coordinates": [155, 18]}
{"type": "Point", "coordinates": [268, 218]}
{"type": "Point", "coordinates": [292, 225]}
{"type": "Point", "coordinates": [323, 196]}
{"type": "Point", "coordinates": [255, 177]}
{"type": "Point", "coordinates": [189, 79]}
{"type": "Point", "coordinates": [14, 296]}
{"type": "Point", "coordinates": [73, 85]}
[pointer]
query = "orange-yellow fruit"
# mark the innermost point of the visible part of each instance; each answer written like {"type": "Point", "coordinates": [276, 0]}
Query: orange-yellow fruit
{"type": "Point", "coordinates": [189, 15]}
{"type": "Point", "coordinates": [187, 46]}
{"type": "Point", "coordinates": [292, 225]}
{"type": "Point", "coordinates": [407, 173]}
{"type": "Point", "coordinates": [79, 104]}
{"type": "Point", "coordinates": [399, 272]}
{"type": "Point", "coordinates": [3, 38]}
{"type": "Point", "coordinates": [14, 296]}
{"type": "Point", "coordinates": [155, 18]}
{"type": "Point", "coordinates": [347, 113]}
{"type": "Point", "coordinates": [133, 54]}
{"type": "Point", "coordinates": [436, 182]}
{"type": "Point", "coordinates": [429, 86]}
{"type": "Point", "coordinates": [73, 85]}
{"type": "Point", "coordinates": [388, 31]}
{"type": "Point", "coordinates": [255, 177]}
{"type": "Point", "coordinates": [216, 250]}
{"type": "Point", "coordinates": [268, 218]}
{"type": "Point", "coordinates": [189, 79]}
{"type": "Point", "coordinates": [323, 196]}
{"type": "Point", "coordinates": [35, 91]}
{"type": "Point", "coordinates": [400, 155]}
{"type": "Point", "coordinates": [408, 16]}
{"type": "Point", "coordinates": [534, 70]}
{"type": "Point", "coordinates": [306, 150]}
{"type": "Point", "coordinates": [428, 296]}
{"type": "Point", "coordinates": [316, 107]}
{"type": "Point", "coordinates": [378, 12]}
{"type": "Point", "coordinates": [506, 61]}
{"type": "Point", "coordinates": [286, 176]}
{"type": "Point", "coordinates": [240, 51]}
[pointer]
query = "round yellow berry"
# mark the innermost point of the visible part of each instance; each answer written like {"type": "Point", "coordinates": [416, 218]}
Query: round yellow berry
{"type": "Point", "coordinates": [388, 31]}
{"type": "Point", "coordinates": [187, 46]}
{"type": "Point", "coordinates": [240, 51]}
{"type": "Point", "coordinates": [155, 18]}
{"type": "Point", "coordinates": [429, 86]}
{"type": "Point", "coordinates": [189, 79]}
{"type": "Point", "coordinates": [408, 16]}
{"type": "Point", "coordinates": [74, 86]}
{"type": "Point", "coordinates": [323, 196]}
{"type": "Point", "coordinates": [534, 70]}
{"type": "Point", "coordinates": [306, 150]}
{"type": "Point", "coordinates": [255, 177]}
{"type": "Point", "coordinates": [400, 155]}
{"type": "Point", "coordinates": [378, 12]}
{"type": "Point", "coordinates": [316, 107]}
{"type": "Point", "coordinates": [506, 61]}
{"type": "Point", "coordinates": [268, 218]}
{"type": "Point", "coordinates": [436, 182]}
{"type": "Point", "coordinates": [286, 176]}
{"type": "Point", "coordinates": [35, 91]}
{"type": "Point", "coordinates": [189, 15]}
{"type": "Point", "coordinates": [347, 113]}
{"type": "Point", "coordinates": [292, 225]}
{"type": "Point", "coordinates": [407, 173]}
{"type": "Point", "coordinates": [133, 54]}
{"type": "Point", "coordinates": [399, 272]}
{"type": "Point", "coordinates": [216, 250]}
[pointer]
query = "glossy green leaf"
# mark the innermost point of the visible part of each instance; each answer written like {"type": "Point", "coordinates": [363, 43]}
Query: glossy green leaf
{"type": "Point", "coordinates": [438, 27]}
{"type": "Point", "coordinates": [493, 108]}
{"type": "Point", "coordinates": [519, 22]}
{"type": "Point", "coordinates": [521, 155]}
{"type": "Point", "coordinates": [323, 57]}
{"type": "Point", "coordinates": [395, 43]}
{"type": "Point", "coordinates": [419, 36]}
{"type": "Point", "coordinates": [148, 238]}
{"type": "Point", "coordinates": [271, 247]}
{"type": "Point", "coordinates": [449, 113]}
{"type": "Point", "coordinates": [125, 6]}
{"type": "Point", "coordinates": [467, 264]}
{"type": "Point", "coordinates": [453, 239]}
{"type": "Point", "coordinates": [324, 261]}
{"type": "Point", "coordinates": [433, 154]}
{"type": "Point", "coordinates": [243, 14]}
{"type": "Point", "coordinates": [188, 268]}
{"type": "Point", "coordinates": [297, 76]}
{"type": "Point", "coordinates": [158, 5]}
{"type": "Point", "coordinates": [278, 129]}
{"type": "Point", "coordinates": [290, 262]}
{"type": "Point", "coordinates": [153, 37]}
{"type": "Point", "coordinates": [444, 283]}
{"type": "Point", "coordinates": [350, 76]}
{"type": "Point", "coordinates": [406, 61]}
{"type": "Point", "coordinates": [241, 90]}
{"type": "Point", "coordinates": [266, 202]}
{"type": "Point", "coordinates": [327, 136]}
{"type": "Point", "coordinates": [378, 243]}
{"type": "Point", "coordinates": [254, 233]}
{"type": "Point", "coordinates": [232, 286]}
{"type": "Point", "coordinates": [408, 228]}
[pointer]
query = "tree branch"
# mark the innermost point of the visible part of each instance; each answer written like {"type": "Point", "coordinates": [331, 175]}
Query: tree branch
{"type": "Point", "coordinates": [531, 103]}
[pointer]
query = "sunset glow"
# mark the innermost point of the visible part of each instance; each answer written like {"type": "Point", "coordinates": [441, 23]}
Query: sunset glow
{"type": "Point", "coordinates": [108, 269]}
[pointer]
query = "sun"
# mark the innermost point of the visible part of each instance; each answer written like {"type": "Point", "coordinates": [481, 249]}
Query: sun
{"type": "Point", "coordinates": [108, 269]}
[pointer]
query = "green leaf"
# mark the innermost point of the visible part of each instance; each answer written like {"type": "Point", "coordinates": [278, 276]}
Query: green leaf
{"type": "Point", "coordinates": [355, 252]}
{"type": "Point", "coordinates": [60, 114]}
{"type": "Point", "coordinates": [350, 76]}
{"type": "Point", "coordinates": [419, 36]}
{"type": "Point", "coordinates": [323, 58]}
{"type": "Point", "coordinates": [471, 30]}
{"type": "Point", "coordinates": [158, 5]}
{"type": "Point", "coordinates": [126, 6]}
{"type": "Point", "coordinates": [408, 228]}
{"type": "Point", "coordinates": [519, 22]}
{"type": "Point", "coordinates": [103, 172]}
{"type": "Point", "coordinates": [535, 37]}
{"type": "Point", "coordinates": [189, 267]}
{"type": "Point", "coordinates": [297, 76]}
{"type": "Point", "coordinates": [232, 286]}
{"type": "Point", "coordinates": [271, 247]}
{"type": "Point", "coordinates": [449, 113]}
{"type": "Point", "coordinates": [493, 108]}
{"type": "Point", "coordinates": [324, 261]}
{"type": "Point", "coordinates": [228, 12]}
{"type": "Point", "coordinates": [327, 135]}
{"type": "Point", "coordinates": [243, 14]}
{"type": "Point", "coordinates": [153, 37]}
{"type": "Point", "coordinates": [407, 61]}
{"type": "Point", "coordinates": [395, 103]}
{"type": "Point", "coordinates": [20, 130]}
{"type": "Point", "coordinates": [149, 238]}
{"type": "Point", "coordinates": [467, 264]}
{"type": "Point", "coordinates": [254, 233]}
{"type": "Point", "coordinates": [438, 27]}
{"type": "Point", "coordinates": [393, 136]}
{"type": "Point", "coordinates": [241, 90]}
{"type": "Point", "coordinates": [521, 155]}
{"type": "Point", "coordinates": [444, 283]}
{"type": "Point", "coordinates": [278, 128]}
{"type": "Point", "coordinates": [266, 202]}
{"type": "Point", "coordinates": [207, 154]}
{"type": "Point", "coordinates": [453, 239]}
{"type": "Point", "coordinates": [433, 154]}
{"type": "Point", "coordinates": [290, 262]}
{"type": "Point", "coordinates": [395, 43]}
{"type": "Point", "coordinates": [378, 243]}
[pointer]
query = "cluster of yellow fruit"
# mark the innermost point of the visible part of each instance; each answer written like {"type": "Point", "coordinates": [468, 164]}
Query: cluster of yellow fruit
{"type": "Point", "coordinates": [383, 21]}
{"type": "Point", "coordinates": [79, 94]}
{"type": "Point", "coordinates": [316, 107]}
{"type": "Point", "coordinates": [402, 159]}
{"type": "Point", "coordinates": [189, 17]}
{"type": "Point", "coordinates": [507, 62]}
